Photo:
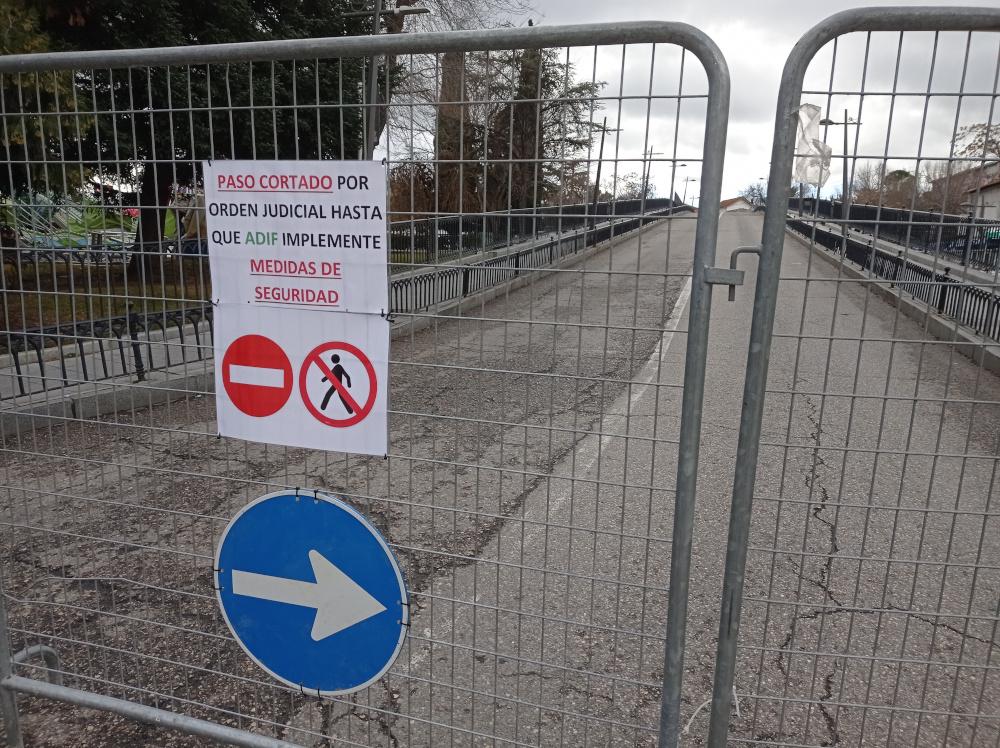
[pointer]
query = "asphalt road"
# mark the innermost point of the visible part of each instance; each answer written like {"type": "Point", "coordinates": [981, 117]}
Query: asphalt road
{"type": "Point", "coordinates": [874, 579]}
{"type": "Point", "coordinates": [528, 494]}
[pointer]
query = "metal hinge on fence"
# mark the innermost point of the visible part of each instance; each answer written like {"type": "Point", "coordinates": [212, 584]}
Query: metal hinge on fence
{"type": "Point", "coordinates": [730, 276]}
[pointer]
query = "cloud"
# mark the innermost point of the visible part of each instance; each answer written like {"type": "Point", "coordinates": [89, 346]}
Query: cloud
{"type": "Point", "coordinates": [900, 122]}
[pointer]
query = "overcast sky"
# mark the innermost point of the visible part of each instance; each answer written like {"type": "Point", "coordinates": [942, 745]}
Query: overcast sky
{"type": "Point", "coordinates": [756, 36]}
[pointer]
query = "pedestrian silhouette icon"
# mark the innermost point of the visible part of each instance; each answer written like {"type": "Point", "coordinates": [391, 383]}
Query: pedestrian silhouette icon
{"type": "Point", "coordinates": [340, 374]}
{"type": "Point", "coordinates": [343, 368]}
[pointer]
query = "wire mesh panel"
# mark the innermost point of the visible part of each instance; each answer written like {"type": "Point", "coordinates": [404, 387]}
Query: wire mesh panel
{"type": "Point", "coordinates": [540, 271]}
{"type": "Point", "coordinates": [872, 587]}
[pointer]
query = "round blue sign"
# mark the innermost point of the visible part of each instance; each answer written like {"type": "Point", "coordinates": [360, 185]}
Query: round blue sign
{"type": "Point", "coordinates": [312, 592]}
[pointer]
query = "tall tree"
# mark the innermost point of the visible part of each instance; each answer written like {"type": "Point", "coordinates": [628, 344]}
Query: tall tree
{"type": "Point", "coordinates": [944, 186]}
{"type": "Point", "coordinates": [30, 144]}
{"type": "Point", "coordinates": [633, 186]}
{"type": "Point", "coordinates": [510, 123]}
{"type": "Point", "coordinates": [981, 140]}
{"type": "Point", "coordinates": [154, 125]}
{"type": "Point", "coordinates": [457, 139]}
{"type": "Point", "coordinates": [755, 194]}
{"type": "Point", "coordinates": [899, 189]}
{"type": "Point", "coordinates": [867, 183]}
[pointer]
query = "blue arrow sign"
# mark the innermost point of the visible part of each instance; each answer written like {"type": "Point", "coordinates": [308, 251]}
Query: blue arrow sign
{"type": "Point", "coordinates": [311, 592]}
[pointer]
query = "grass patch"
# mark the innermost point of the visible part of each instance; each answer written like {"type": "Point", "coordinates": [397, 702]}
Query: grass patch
{"type": "Point", "coordinates": [59, 293]}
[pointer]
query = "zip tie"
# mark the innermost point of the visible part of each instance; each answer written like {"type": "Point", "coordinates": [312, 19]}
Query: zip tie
{"type": "Point", "coordinates": [736, 700]}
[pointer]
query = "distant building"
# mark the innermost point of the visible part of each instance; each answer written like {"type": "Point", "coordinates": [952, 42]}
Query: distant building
{"type": "Point", "coordinates": [950, 191]}
{"type": "Point", "coordinates": [734, 204]}
{"type": "Point", "coordinates": [984, 201]}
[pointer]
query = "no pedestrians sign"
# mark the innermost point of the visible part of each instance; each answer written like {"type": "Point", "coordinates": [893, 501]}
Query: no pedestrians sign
{"type": "Point", "coordinates": [299, 260]}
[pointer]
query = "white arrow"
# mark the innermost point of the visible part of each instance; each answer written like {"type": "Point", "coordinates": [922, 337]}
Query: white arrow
{"type": "Point", "coordinates": [339, 601]}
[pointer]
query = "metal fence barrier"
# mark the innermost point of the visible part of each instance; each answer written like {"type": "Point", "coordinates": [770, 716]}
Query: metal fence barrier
{"type": "Point", "coordinates": [860, 601]}
{"type": "Point", "coordinates": [545, 425]}
{"type": "Point", "coordinates": [539, 488]}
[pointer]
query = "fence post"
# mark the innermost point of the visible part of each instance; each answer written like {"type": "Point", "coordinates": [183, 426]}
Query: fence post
{"type": "Point", "coordinates": [133, 330]}
{"type": "Point", "coordinates": [17, 366]}
{"type": "Point", "coordinates": [895, 270]}
{"type": "Point", "coordinates": [968, 242]}
{"type": "Point", "coordinates": [8, 699]}
{"type": "Point", "coordinates": [943, 292]}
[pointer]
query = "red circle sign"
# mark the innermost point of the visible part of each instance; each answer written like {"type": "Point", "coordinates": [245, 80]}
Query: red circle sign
{"type": "Point", "coordinates": [360, 409]}
{"type": "Point", "coordinates": [257, 375]}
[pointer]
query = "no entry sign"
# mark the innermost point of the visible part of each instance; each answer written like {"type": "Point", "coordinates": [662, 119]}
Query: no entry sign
{"type": "Point", "coordinates": [257, 375]}
{"type": "Point", "coordinates": [299, 279]}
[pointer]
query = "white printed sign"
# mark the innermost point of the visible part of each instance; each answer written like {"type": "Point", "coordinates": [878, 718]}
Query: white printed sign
{"type": "Point", "coordinates": [320, 383]}
{"type": "Point", "coordinates": [299, 279]}
{"type": "Point", "coordinates": [305, 234]}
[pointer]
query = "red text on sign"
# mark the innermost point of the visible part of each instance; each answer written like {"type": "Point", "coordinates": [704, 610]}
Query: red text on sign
{"type": "Point", "coordinates": [311, 296]}
{"type": "Point", "coordinates": [276, 182]}
{"type": "Point", "coordinates": [304, 268]}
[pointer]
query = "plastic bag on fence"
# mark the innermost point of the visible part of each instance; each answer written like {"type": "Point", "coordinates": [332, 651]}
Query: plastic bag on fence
{"type": "Point", "coordinates": [812, 155]}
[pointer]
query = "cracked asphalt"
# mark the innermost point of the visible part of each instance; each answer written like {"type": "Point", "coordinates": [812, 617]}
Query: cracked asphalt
{"type": "Point", "coordinates": [873, 582]}
{"type": "Point", "coordinates": [528, 495]}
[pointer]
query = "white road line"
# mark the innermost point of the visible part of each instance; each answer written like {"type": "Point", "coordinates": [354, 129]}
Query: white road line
{"type": "Point", "coordinates": [590, 447]}
{"type": "Point", "coordinates": [647, 375]}
{"type": "Point", "coordinates": [256, 375]}
{"type": "Point", "coordinates": [615, 422]}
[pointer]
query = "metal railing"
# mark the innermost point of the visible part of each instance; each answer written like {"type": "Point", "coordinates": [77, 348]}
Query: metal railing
{"type": "Point", "coordinates": [976, 306]}
{"type": "Point", "coordinates": [974, 242]}
{"type": "Point", "coordinates": [443, 238]}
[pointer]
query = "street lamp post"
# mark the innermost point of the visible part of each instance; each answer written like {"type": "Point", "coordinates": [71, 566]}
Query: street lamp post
{"type": "Point", "coordinates": [647, 167]}
{"type": "Point", "coordinates": [845, 199]}
{"type": "Point", "coordinates": [673, 184]}
{"type": "Point", "coordinates": [597, 179]}
{"type": "Point", "coordinates": [684, 199]}
{"type": "Point", "coordinates": [373, 84]}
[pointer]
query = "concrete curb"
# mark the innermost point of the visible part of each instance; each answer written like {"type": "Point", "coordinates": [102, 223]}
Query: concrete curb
{"type": "Point", "coordinates": [89, 400]}
{"type": "Point", "coordinates": [968, 343]}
